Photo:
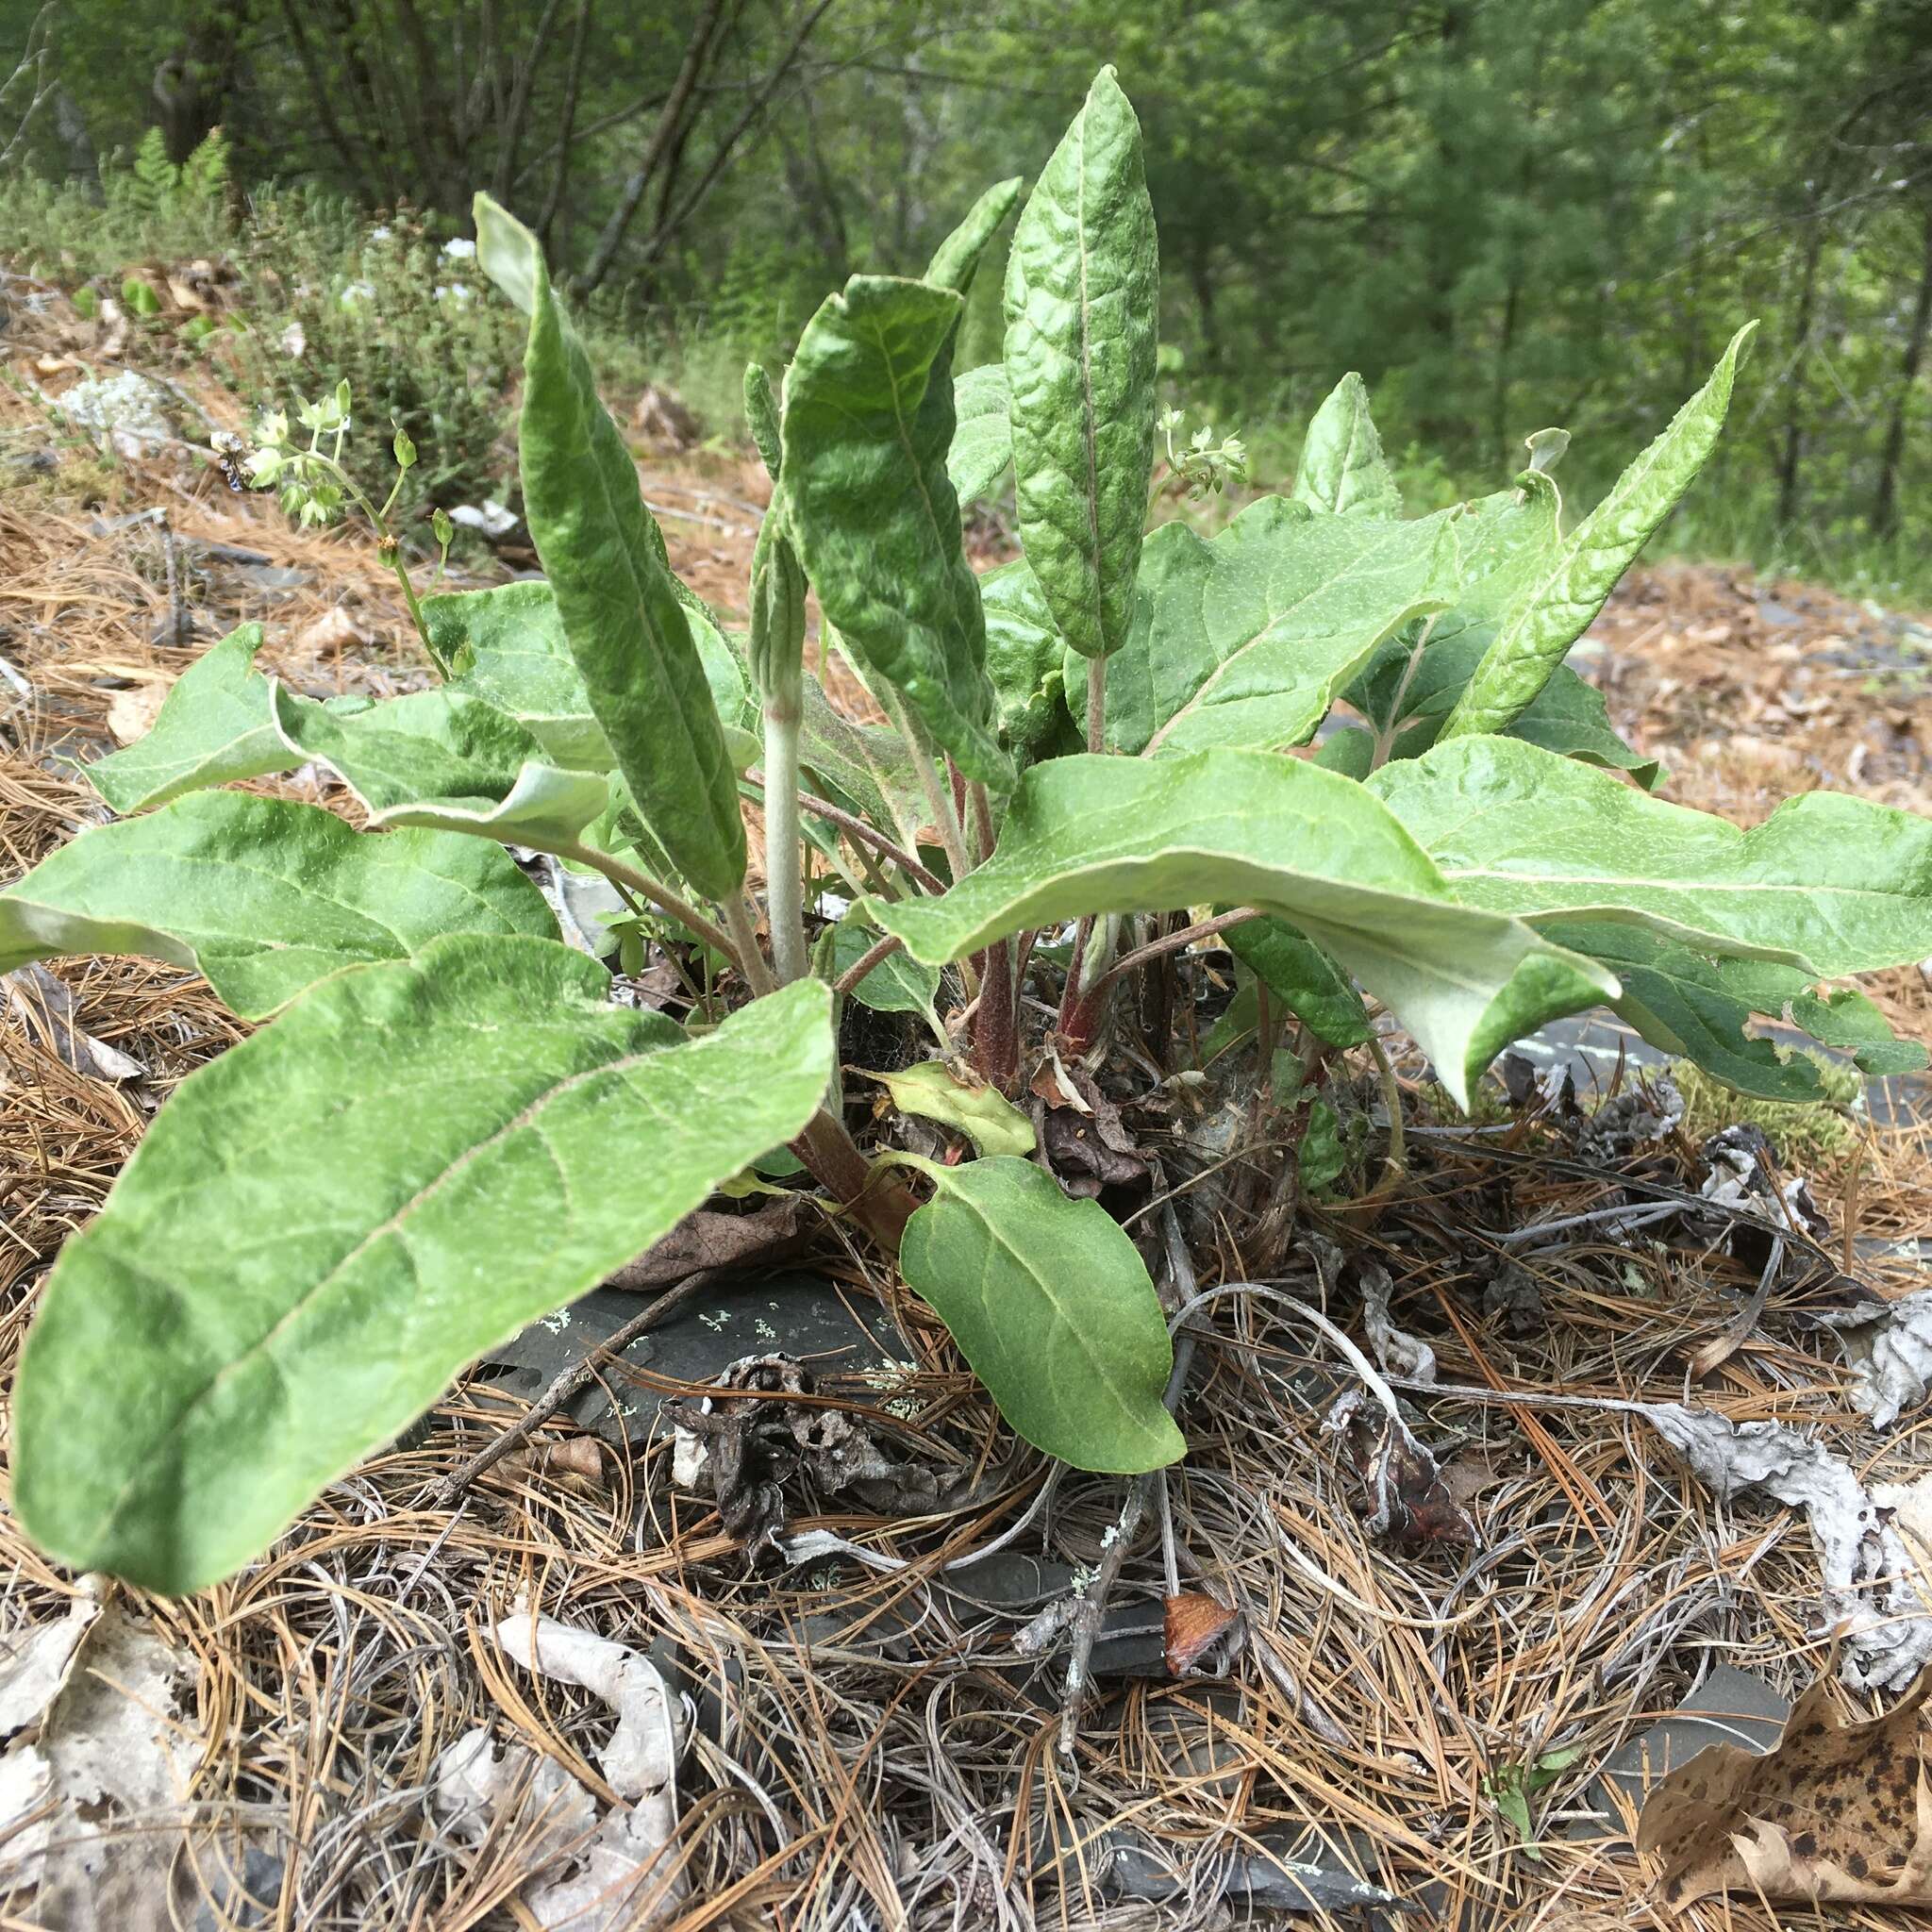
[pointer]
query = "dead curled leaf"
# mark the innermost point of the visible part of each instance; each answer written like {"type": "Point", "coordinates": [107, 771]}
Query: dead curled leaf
{"type": "Point", "coordinates": [708, 1238]}
{"type": "Point", "coordinates": [1839, 1808]}
{"type": "Point", "coordinates": [1195, 1624]}
{"type": "Point", "coordinates": [1409, 1496]}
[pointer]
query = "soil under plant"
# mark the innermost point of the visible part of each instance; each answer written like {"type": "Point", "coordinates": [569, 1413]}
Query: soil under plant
{"type": "Point", "coordinates": [874, 1732]}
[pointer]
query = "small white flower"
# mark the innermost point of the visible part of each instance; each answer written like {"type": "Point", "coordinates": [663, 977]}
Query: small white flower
{"type": "Point", "coordinates": [381, 232]}
{"type": "Point", "coordinates": [357, 292]}
{"type": "Point", "coordinates": [459, 292]}
{"type": "Point", "coordinates": [460, 250]}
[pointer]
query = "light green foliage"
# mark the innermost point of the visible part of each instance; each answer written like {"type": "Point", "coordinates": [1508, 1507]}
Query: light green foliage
{"type": "Point", "coordinates": [1050, 1303]}
{"type": "Point", "coordinates": [621, 615]}
{"type": "Point", "coordinates": [213, 727]}
{"type": "Point", "coordinates": [956, 259]}
{"type": "Point", "coordinates": [1025, 659]}
{"type": "Point", "coordinates": [445, 760]}
{"type": "Point", "coordinates": [1092, 834]}
{"type": "Point", "coordinates": [934, 1091]}
{"type": "Point", "coordinates": [981, 454]}
{"type": "Point", "coordinates": [898, 984]}
{"type": "Point", "coordinates": [1558, 609]}
{"type": "Point", "coordinates": [867, 503]}
{"type": "Point", "coordinates": [1343, 468]}
{"type": "Point", "coordinates": [1304, 978]}
{"type": "Point", "coordinates": [334, 1217]}
{"type": "Point", "coordinates": [1828, 883]}
{"type": "Point", "coordinates": [262, 896]}
{"type": "Point", "coordinates": [506, 646]}
{"type": "Point", "coordinates": [1247, 639]}
{"type": "Point", "coordinates": [1082, 291]}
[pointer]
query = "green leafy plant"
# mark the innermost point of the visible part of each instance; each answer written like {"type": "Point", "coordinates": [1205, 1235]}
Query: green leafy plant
{"type": "Point", "coordinates": [446, 1129]}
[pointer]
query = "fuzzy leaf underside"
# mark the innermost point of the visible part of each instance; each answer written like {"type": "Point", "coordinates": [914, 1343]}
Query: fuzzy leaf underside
{"type": "Point", "coordinates": [326, 1224]}
{"type": "Point", "coordinates": [1558, 607]}
{"type": "Point", "coordinates": [1052, 1306]}
{"type": "Point", "coordinates": [1096, 835]}
{"type": "Point", "coordinates": [262, 896]}
{"type": "Point", "coordinates": [447, 761]}
{"type": "Point", "coordinates": [873, 514]}
{"type": "Point", "coordinates": [1082, 301]}
{"type": "Point", "coordinates": [1828, 883]}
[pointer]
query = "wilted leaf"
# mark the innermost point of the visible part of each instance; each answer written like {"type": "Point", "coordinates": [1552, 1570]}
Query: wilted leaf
{"type": "Point", "coordinates": [448, 761]}
{"type": "Point", "coordinates": [990, 1121]}
{"type": "Point", "coordinates": [262, 896]}
{"type": "Point", "coordinates": [322, 1226]}
{"type": "Point", "coordinates": [1839, 1808]}
{"type": "Point", "coordinates": [1052, 1306]}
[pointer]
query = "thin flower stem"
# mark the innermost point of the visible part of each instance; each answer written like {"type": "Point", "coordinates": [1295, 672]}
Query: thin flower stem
{"type": "Point", "coordinates": [783, 889]}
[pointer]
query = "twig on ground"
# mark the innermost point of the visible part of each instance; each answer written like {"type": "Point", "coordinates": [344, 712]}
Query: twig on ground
{"type": "Point", "coordinates": [443, 1496]}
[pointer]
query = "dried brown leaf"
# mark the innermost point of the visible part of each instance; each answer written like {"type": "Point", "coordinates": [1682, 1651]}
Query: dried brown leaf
{"type": "Point", "coordinates": [1839, 1808]}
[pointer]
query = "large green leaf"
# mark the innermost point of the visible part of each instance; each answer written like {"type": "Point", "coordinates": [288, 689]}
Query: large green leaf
{"type": "Point", "coordinates": [1688, 1003]}
{"type": "Point", "coordinates": [213, 727]}
{"type": "Point", "coordinates": [1050, 1303]}
{"type": "Point", "coordinates": [1026, 658]}
{"type": "Point", "coordinates": [1343, 468]}
{"type": "Point", "coordinates": [1246, 640]}
{"type": "Point", "coordinates": [506, 645]}
{"type": "Point", "coordinates": [327, 1221]}
{"type": "Point", "coordinates": [1093, 835]}
{"type": "Point", "coordinates": [445, 760]}
{"type": "Point", "coordinates": [1828, 883]}
{"type": "Point", "coordinates": [898, 984]}
{"type": "Point", "coordinates": [1557, 608]}
{"type": "Point", "coordinates": [623, 618]}
{"type": "Point", "coordinates": [982, 447]}
{"type": "Point", "coordinates": [261, 895]}
{"type": "Point", "coordinates": [1083, 290]}
{"type": "Point", "coordinates": [874, 519]}
{"type": "Point", "coordinates": [1568, 715]}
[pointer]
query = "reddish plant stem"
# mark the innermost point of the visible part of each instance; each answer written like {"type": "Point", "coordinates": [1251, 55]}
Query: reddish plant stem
{"type": "Point", "coordinates": [875, 1197]}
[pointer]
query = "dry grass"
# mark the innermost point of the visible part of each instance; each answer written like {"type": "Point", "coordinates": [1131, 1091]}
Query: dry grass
{"type": "Point", "coordinates": [902, 1772]}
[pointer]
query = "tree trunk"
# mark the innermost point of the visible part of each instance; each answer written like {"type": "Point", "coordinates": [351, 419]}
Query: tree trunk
{"type": "Point", "coordinates": [1792, 452]}
{"type": "Point", "coordinates": [1885, 504]}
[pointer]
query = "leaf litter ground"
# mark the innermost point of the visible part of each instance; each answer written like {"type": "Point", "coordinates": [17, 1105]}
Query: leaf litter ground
{"type": "Point", "coordinates": [869, 1746]}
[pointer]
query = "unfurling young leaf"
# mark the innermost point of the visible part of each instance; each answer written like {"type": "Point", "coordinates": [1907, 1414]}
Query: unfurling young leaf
{"type": "Point", "coordinates": [1051, 1305]}
{"type": "Point", "coordinates": [623, 618]}
{"type": "Point", "coordinates": [1558, 609]}
{"type": "Point", "coordinates": [1082, 295]}
{"type": "Point", "coordinates": [1343, 468]}
{"type": "Point", "coordinates": [326, 1224]}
